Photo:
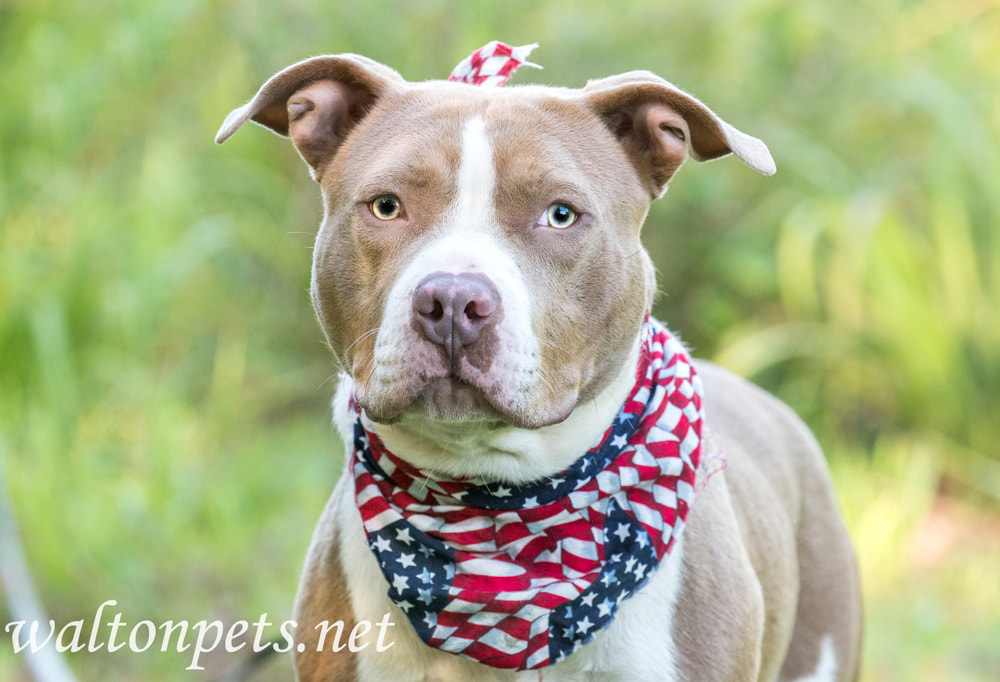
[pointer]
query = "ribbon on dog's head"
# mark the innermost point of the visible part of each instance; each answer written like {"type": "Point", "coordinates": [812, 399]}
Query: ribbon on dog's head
{"type": "Point", "coordinates": [493, 64]}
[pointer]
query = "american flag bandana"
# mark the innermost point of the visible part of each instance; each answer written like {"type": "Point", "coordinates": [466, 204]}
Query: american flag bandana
{"type": "Point", "coordinates": [520, 576]}
{"type": "Point", "coordinates": [492, 64]}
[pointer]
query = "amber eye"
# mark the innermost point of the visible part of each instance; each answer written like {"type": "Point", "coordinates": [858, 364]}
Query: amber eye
{"type": "Point", "coordinates": [558, 215]}
{"type": "Point", "coordinates": [386, 207]}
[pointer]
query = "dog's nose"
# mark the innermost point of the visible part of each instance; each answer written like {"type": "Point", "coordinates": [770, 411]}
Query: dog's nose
{"type": "Point", "coordinates": [452, 310]}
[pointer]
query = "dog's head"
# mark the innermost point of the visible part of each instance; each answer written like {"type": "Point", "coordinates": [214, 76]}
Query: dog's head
{"type": "Point", "coordinates": [479, 257]}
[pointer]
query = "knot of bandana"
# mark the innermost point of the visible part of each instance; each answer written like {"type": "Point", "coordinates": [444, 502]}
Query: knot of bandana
{"type": "Point", "coordinates": [492, 64]}
{"type": "Point", "coordinates": [520, 576]}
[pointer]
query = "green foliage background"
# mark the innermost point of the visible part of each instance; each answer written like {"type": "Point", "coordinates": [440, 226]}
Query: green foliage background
{"type": "Point", "coordinates": [163, 384]}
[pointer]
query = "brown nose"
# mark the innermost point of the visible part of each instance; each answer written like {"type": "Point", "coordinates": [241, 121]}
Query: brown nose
{"type": "Point", "coordinates": [452, 310]}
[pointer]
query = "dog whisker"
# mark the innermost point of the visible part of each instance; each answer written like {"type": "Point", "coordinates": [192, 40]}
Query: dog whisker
{"type": "Point", "coordinates": [361, 338]}
{"type": "Point", "coordinates": [549, 344]}
{"type": "Point", "coordinates": [328, 379]}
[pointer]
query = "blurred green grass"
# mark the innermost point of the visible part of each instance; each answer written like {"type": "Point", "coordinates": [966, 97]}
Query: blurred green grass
{"type": "Point", "coordinates": [164, 386]}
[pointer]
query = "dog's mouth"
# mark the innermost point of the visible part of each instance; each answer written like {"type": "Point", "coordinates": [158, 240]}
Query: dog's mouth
{"type": "Point", "coordinates": [454, 398]}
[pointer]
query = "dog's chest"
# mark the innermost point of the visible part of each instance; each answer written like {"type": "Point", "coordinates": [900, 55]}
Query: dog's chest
{"type": "Point", "coordinates": [636, 646]}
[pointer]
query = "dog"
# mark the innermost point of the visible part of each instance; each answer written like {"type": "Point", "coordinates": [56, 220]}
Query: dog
{"type": "Point", "coordinates": [479, 276]}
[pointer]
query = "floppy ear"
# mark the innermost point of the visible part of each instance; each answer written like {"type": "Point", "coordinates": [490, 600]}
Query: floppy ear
{"type": "Point", "coordinates": [316, 102]}
{"type": "Point", "coordinates": [660, 125]}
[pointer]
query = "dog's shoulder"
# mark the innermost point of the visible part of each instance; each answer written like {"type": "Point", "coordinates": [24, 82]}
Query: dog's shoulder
{"type": "Point", "coordinates": [744, 420]}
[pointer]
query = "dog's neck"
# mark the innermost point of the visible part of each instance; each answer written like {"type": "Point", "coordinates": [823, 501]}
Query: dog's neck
{"type": "Point", "coordinates": [506, 453]}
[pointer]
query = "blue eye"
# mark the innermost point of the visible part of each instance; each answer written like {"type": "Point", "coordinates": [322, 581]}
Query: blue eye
{"type": "Point", "coordinates": [558, 215]}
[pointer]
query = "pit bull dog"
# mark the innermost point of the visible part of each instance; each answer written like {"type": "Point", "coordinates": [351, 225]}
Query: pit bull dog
{"type": "Point", "coordinates": [524, 443]}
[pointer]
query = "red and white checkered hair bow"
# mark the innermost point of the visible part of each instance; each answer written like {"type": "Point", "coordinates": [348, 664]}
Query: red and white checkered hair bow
{"type": "Point", "coordinates": [492, 64]}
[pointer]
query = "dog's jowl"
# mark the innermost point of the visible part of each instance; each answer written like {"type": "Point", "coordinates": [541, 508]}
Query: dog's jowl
{"type": "Point", "coordinates": [540, 482]}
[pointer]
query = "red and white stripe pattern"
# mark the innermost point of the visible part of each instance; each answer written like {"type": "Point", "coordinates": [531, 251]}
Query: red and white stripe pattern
{"type": "Point", "coordinates": [493, 64]}
{"type": "Point", "coordinates": [518, 577]}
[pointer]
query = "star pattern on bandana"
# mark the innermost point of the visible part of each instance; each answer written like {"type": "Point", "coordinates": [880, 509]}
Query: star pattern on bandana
{"type": "Point", "coordinates": [414, 586]}
{"type": "Point", "coordinates": [623, 573]}
{"type": "Point", "coordinates": [520, 576]}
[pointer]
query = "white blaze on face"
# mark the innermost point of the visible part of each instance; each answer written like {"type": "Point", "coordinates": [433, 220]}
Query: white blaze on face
{"type": "Point", "coordinates": [476, 178]}
{"type": "Point", "coordinates": [468, 242]}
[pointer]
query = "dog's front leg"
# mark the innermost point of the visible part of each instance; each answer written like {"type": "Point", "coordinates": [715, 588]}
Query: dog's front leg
{"type": "Point", "coordinates": [323, 601]}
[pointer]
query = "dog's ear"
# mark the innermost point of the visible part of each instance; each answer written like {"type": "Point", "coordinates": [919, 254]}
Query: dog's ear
{"type": "Point", "coordinates": [659, 125]}
{"type": "Point", "coordinates": [316, 102]}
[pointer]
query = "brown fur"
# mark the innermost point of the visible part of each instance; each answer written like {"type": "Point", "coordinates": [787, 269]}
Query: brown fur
{"type": "Point", "coordinates": [326, 599]}
{"type": "Point", "coordinates": [768, 570]}
{"type": "Point", "coordinates": [781, 493]}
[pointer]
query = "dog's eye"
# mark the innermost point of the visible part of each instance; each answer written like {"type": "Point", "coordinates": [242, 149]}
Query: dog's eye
{"type": "Point", "coordinates": [386, 207]}
{"type": "Point", "coordinates": [558, 215]}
